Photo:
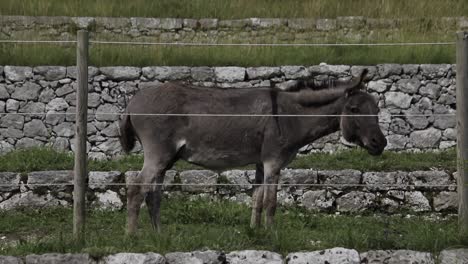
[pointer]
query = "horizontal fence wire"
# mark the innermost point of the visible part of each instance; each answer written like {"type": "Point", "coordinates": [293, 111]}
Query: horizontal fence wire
{"type": "Point", "coordinates": [143, 43]}
{"type": "Point", "coordinates": [243, 184]}
{"type": "Point", "coordinates": [231, 115]}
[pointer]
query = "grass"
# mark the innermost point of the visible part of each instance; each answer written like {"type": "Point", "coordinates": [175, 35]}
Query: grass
{"type": "Point", "coordinates": [40, 159]}
{"type": "Point", "coordinates": [236, 8]}
{"type": "Point", "coordinates": [199, 225]}
{"type": "Point", "coordinates": [33, 55]}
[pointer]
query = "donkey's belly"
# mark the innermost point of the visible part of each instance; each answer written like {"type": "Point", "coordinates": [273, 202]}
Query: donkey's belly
{"type": "Point", "coordinates": [219, 159]}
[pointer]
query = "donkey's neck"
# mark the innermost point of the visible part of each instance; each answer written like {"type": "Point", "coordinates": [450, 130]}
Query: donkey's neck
{"type": "Point", "coordinates": [328, 122]}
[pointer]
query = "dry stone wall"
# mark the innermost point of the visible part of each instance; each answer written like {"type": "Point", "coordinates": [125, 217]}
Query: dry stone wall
{"type": "Point", "coordinates": [332, 255]}
{"type": "Point", "coordinates": [344, 191]}
{"type": "Point", "coordinates": [254, 30]}
{"type": "Point", "coordinates": [417, 101]}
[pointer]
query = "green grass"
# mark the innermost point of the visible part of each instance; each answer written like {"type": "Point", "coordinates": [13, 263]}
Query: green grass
{"type": "Point", "coordinates": [199, 225]}
{"type": "Point", "coordinates": [33, 55]}
{"type": "Point", "coordinates": [47, 159]}
{"type": "Point", "coordinates": [236, 8]}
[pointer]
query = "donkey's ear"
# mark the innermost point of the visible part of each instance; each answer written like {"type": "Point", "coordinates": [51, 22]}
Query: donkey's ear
{"type": "Point", "coordinates": [358, 84]}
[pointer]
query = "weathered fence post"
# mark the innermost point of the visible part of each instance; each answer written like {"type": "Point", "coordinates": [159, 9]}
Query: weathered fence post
{"type": "Point", "coordinates": [462, 135]}
{"type": "Point", "coordinates": [81, 170]}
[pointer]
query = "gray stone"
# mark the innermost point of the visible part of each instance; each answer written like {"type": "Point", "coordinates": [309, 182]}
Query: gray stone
{"type": "Point", "coordinates": [396, 142]}
{"type": "Point", "coordinates": [18, 73]}
{"type": "Point", "coordinates": [107, 112]}
{"type": "Point", "coordinates": [425, 138]}
{"type": "Point", "coordinates": [9, 178]}
{"type": "Point", "coordinates": [202, 74]}
{"type": "Point", "coordinates": [410, 86]}
{"type": "Point", "coordinates": [263, 72]}
{"type": "Point", "coordinates": [100, 179]}
{"type": "Point", "coordinates": [2, 107]}
{"type": "Point", "coordinates": [229, 74]}
{"type": "Point", "coordinates": [297, 176]}
{"type": "Point", "coordinates": [447, 99]}
{"type": "Point", "coordinates": [3, 92]}
{"type": "Point", "coordinates": [121, 73]}
{"type": "Point", "coordinates": [51, 73]}
{"type": "Point", "coordinates": [357, 69]}
{"type": "Point", "coordinates": [53, 258]}
{"type": "Point", "coordinates": [111, 146]}
{"type": "Point", "coordinates": [254, 257]}
{"type": "Point", "coordinates": [336, 255]}
{"type": "Point", "coordinates": [397, 257]}
{"type": "Point", "coordinates": [295, 72]}
{"type": "Point", "coordinates": [416, 201]}
{"type": "Point", "coordinates": [386, 70]}
{"type": "Point", "coordinates": [164, 73]}
{"type": "Point", "coordinates": [287, 85]}
{"type": "Point", "coordinates": [28, 91]}
{"type": "Point", "coordinates": [450, 134]}
{"type": "Point", "coordinates": [94, 100]}
{"type": "Point", "coordinates": [10, 260]}
{"type": "Point", "coordinates": [416, 118]}
{"type": "Point", "coordinates": [33, 107]}
{"type": "Point", "coordinates": [208, 23]}
{"type": "Point", "coordinates": [11, 133]}
{"type": "Point", "coordinates": [49, 177]}
{"type": "Point", "coordinates": [134, 258]}
{"type": "Point", "coordinates": [53, 118]}
{"type": "Point", "coordinates": [25, 143]}
{"type": "Point", "coordinates": [355, 201]}
{"type": "Point", "coordinates": [267, 22]}
{"type": "Point", "coordinates": [65, 129]}
{"type": "Point", "coordinates": [340, 177]}
{"type": "Point", "coordinates": [111, 131]}
{"type": "Point", "coordinates": [379, 86]}
{"type": "Point", "coordinates": [317, 200]}
{"type": "Point", "coordinates": [301, 23]}
{"type": "Point", "coordinates": [237, 177]}
{"type": "Point", "coordinates": [46, 95]}
{"type": "Point", "coordinates": [430, 90]}
{"type": "Point", "coordinates": [109, 200]}
{"type": "Point", "coordinates": [84, 22]}
{"type": "Point", "coordinates": [12, 121]}
{"type": "Point", "coordinates": [444, 117]}
{"type": "Point", "coordinates": [35, 128]}
{"type": "Point", "coordinates": [399, 126]}
{"type": "Point", "coordinates": [198, 180]}
{"type": "Point", "coordinates": [12, 105]}
{"type": "Point", "coordinates": [446, 201]}
{"type": "Point", "coordinates": [149, 85]}
{"type": "Point", "coordinates": [384, 180]}
{"type": "Point", "coordinates": [171, 23]}
{"type": "Point", "coordinates": [30, 200]}
{"type": "Point", "coordinates": [433, 71]}
{"type": "Point", "coordinates": [419, 178]}
{"type": "Point", "coordinates": [410, 69]}
{"type": "Point", "coordinates": [64, 90]}
{"type": "Point", "coordinates": [325, 24]}
{"type": "Point", "coordinates": [5, 147]}
{"type": "Point", "coordinates": [397, 99]}
{"type": "Point", "coordinates": [454, 256]}
{"type": "Point", "coordinates": [202, 257]}
{"type": "Point", "coordinates": [61, 144]}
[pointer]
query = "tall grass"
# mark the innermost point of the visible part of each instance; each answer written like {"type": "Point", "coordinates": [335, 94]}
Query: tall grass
{"type": "Point", "coordinates": [237, 8]}
{"type": "Point", "coordinates": [33, 55]}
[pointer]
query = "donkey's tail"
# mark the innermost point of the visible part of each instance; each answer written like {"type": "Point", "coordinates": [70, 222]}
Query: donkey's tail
{"type": "Point", "coordinates": [127, 134]}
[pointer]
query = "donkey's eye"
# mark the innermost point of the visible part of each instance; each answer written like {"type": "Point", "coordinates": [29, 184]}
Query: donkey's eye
{"type": "Point", "coordinates": [354, 109]}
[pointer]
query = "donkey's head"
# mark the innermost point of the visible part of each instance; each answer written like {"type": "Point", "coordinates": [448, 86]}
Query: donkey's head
{"type": "Point", "coordinates": [359, 119]}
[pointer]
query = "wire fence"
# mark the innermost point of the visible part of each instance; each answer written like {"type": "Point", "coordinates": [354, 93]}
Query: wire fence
{"type": "Point", "coordinates": [139, 43]}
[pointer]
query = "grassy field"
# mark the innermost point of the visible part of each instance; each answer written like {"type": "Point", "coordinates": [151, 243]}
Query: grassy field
{"type": "Point", "coordinates": [236, 8]}
{"type": "Point", "coordinates": [32, 55]}
{"type": "Point", "coordinates": [47, 159]}
{"type": "Point", "coordinates": [199, 225]}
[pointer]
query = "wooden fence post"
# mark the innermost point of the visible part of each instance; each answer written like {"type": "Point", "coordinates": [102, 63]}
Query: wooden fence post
{"type": "Point", "coordinates": [81, 158]}
{"type": "Point", "coordinates": [462, 134]}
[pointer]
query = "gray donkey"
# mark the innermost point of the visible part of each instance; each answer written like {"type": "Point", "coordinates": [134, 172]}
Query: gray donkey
{"type": "Point", "coordinates": [270, 138]}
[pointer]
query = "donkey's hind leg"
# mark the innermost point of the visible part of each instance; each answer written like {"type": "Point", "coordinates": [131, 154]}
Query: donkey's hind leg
{"type": "Point", "coordinates": [257, 198]}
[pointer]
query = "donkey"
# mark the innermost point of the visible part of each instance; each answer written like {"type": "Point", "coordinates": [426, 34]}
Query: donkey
{"type": "Point", "coordinates": [269, 138]}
